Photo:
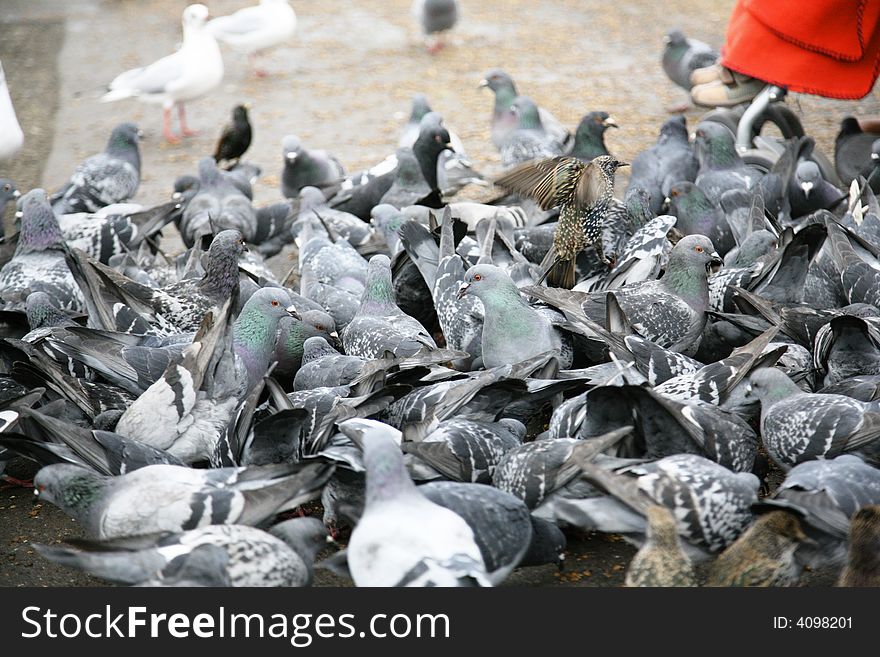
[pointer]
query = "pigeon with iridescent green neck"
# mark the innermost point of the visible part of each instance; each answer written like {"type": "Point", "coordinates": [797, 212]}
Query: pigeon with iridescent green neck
{"type": "Point", "coordinates": [379, 325]}
{"type": "Point", "coordinates": [698, 215]}
{"type": "Point", "coordinates": [504, 120]}
{"type": "Point", "coordinates": [291, 337]}
{"type": "Point", "coordinates": [255, 330]}
{"type": "Point", "coordinates": [529, 140]}
{"type": "Point", "coordinates": [513, 331]}
{"type": "Point", "coordinates": [721, 167]}
{"type": "Point", "coordinates": [38, 264]}
{"type": "Point", "coordinates": [42, 314]}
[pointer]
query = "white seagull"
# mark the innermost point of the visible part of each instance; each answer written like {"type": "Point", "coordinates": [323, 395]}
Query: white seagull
{"type": "Point", "coordinates": [253, 29]}
{"type": "Point", "coordinates": [191, 72]}
{"type": "Point", "coordinates": [11, 136]}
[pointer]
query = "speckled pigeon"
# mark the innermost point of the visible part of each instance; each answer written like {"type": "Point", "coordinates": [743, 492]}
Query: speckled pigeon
{"type": "Point", "coordinates": [109, 177]}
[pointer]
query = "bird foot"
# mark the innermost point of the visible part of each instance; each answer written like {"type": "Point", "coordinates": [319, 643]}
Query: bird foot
{"type": "Point", "coordinates": [171, 138]}
{"type": "Point", "coordinates": [187, 132]}
{"type": "Point", "coordinates": [261, 73]}
{"type": "Point", "coordinates": [436, 47]}
{"type": "Point", "coordinates": [12, 482]}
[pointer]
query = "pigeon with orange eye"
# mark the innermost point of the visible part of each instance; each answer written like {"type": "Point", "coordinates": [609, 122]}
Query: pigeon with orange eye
{"type": "Point", "coordinates": [513, 330]}
{"type": "Point", "coordinates": [292, 335]}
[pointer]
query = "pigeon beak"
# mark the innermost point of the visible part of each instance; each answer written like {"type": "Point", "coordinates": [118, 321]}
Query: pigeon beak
{"type": "Point", "coordinates": [334, 334]}
{"type": "Point", "coordinates": [330, 540]}
{"type": "Point", "coordinates": [291, 310]}
{"type": "Point", "coordinates": [19, 214]}
{"type": "Point", "coordinates": [622, 164]}
{"type": "Point", "coordinates": [449, 148]}
{"type": "Point", "coordinates": [715, 262]}
{"type": "Point", "coordinates": [875, 156]}
{"type": "Point", "coordinates": [16, 194]}
{"type": "Point", "coordinates": [140, 134]}
{"type": "Point", "coordinates": [667, 200]}
{"type": "Point", "coordinates": [483, 83]}
{"type": "Point", "coordinates": [610, 123]}
{"type": "Point", "coordinates": [462, 291]}
{"type": "Point", "coordinates": [807, 187]}
{"type": "Point", "coordinates": [666, 40]}
{"type": "Point", "coordinates": [560, 563]}
{"type": "Point", "coordinates": [291, 157]}
{"type": "Point", "coordinates": [247, 106]}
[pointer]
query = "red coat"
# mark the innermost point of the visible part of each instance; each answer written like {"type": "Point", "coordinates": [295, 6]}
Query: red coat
{"type": "Point", "coordinates": [821, 47]}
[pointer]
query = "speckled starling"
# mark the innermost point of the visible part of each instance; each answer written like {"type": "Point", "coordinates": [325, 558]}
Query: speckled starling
{"type": "Point", "coordinates": [583, 193]}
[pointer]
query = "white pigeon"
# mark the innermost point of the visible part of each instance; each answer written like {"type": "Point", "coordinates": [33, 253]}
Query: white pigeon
{"type": "Point", "coordinates": [253, 29]}
{"type": "Point", "coordinates": [11, 136]}
{"type": "Point", "coordinates": [191, 72]}
{"type": "Point", "coordinates": [402, 538]}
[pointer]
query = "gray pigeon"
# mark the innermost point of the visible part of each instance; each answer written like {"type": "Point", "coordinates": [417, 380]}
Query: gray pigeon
{"type": "Point", "coordinates": [409, 186]}
{"type": "Point", "coordinates": [798, 426]}
{"type": "Point", "coordinates": [219, 204]}
{"type": "Point", "coordinates": [38, 264]}
{"type": "Point", "coordinates": [115, 302]}
{"type": "Point", "coordinates": [291, 336]}
{"type": "Point", "coordinates": [671, 160]}
{"type": "Point", "coordinates": [826, 494]}
{"type": "Point", "coordinates": [467, 450]}
{"type": "Point", "coordinates": [721, 167]}
{"type": "Point", "coordinates": [670, 312]}
{"type": "Point", "coordinates": [379, 325]}
{"type": "Point", "coordinates": [683, 55]}
{"type": "Point", "coordinates": [699, 215]}
{"type": "Point", "coordinates": [283, 556]}
{"type": "Point", "coordinates": [501, 523]}
{"type": "Point", "coordinates": [711, 504]}
{"type": "Point", "coordinates": [808, 191]}
{"type": "Point", "coordinates": [305, 167]}
{"type": "Point", "coordinates": [322, 365]}
{"type": "Point", "coordinates": [528, 140]}
{"type": "Point", "coordinates": [644, 256]}
{"type": "Point", "coordinates": [504, 119]}
{"type": "Point", "coordinates": [172, 498]}
{"type": "Point", "coordinates": [847, 346]}
{"type": "Point", "coordinates": [320, 217]}
{"type": "Point", "coordinates": [513, 331]}
{"type": "Point", "coordinates": [109, 177]}
{"type": "Point", "coordinates": [403, 538]}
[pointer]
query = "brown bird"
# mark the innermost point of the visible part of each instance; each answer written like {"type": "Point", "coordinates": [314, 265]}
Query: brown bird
{"type": "Point", "coordinates": [661, 561]}
{"type": "Point", "coordinates": [863, 564]}
{"type": "Point", "coordinates": [583, 193]}
{"type": "Point", "coordinates": [763, 555]}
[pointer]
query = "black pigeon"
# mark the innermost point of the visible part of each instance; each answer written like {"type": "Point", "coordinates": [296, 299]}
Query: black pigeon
{"type": "Point", "coordinates": [589, 137]}
{"type": "Point", "coordinates": [236, 137]}
{"type": "Point", "coordinates": [852, 150]}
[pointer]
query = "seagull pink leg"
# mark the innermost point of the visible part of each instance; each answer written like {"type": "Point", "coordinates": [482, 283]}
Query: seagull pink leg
{"type": "Point", "coordinates": [184, 129]}
{"type": "Point", "coordinates": [170, 137]}
{"type": "Point", "coordinates": [252, 60]}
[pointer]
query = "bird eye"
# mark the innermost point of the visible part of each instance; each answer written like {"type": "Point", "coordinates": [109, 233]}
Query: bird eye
{"type": "Point", "coordinates": [6, 187]}
{"type": "Point", "coordinates": [478, 277]}
{"type": "Point", "coordinates": [275, 302]}
{"type": "Point", "coordinates": [698, 249]}
{"type": "Point", "coordinates": [320, 327]}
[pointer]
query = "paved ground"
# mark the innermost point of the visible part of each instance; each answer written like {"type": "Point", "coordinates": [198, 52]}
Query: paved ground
{"type": "Point", "coordinates": [343, 84]}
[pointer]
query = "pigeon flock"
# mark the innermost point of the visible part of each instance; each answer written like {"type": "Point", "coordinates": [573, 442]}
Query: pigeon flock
{"type": "Point", "coordinates": [447, 389]}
